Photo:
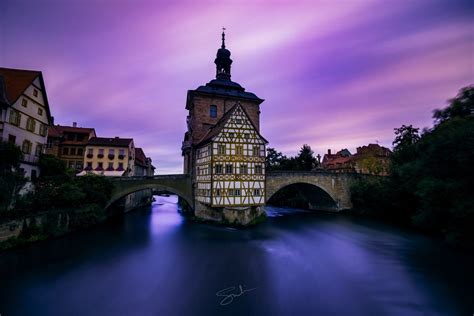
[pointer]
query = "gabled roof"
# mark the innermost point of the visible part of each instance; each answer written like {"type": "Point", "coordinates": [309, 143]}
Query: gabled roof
{"type": "Point", "coordinates": [58, 130]}
{"type": "Point", "coordinates": [216, 129]}
{"type": "Point", "coordinates": [113, 141]}
{"type": "Point", "coordinates": [16, 82]}
{"type": "Point", "coordinates": [140, 157]}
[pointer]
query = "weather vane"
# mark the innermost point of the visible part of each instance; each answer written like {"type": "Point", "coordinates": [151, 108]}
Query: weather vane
{"type": "Point", "coordinates": [223, 37]}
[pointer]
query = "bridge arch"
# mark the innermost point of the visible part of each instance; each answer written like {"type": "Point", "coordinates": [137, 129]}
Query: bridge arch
{"type": "Point", "coordinates": [313, 196]}
{"type": "Point", "coordinates": [174, 184]}
{"type": "Point", "coordinates": [336, 186]}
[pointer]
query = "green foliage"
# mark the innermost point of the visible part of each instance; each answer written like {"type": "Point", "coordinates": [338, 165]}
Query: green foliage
{"type": "Point", "coordinates": [274, 159]}
{"type": "Point", "coordinates": [10, 156]}
{"type": "Point", "coordinates": [461, 106]}
{"type": "Point", "coordinates": [52, 168]}
{"type": "Point", "coordinates": [98, 189]}
{"type": "Point", "coordinates": [432, 177]}
{"type": "Point", "coordinates": [305, 160]}
{"type": "Point", "coordinates": [372, 164]}
{"type": "Point", "coordinates": [11, 179]}
{"type": "Point", "coordinates": [406, 136]}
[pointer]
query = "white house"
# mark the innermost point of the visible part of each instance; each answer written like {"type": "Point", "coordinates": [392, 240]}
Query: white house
{"type": "Point", "coordinates": [24, 114]}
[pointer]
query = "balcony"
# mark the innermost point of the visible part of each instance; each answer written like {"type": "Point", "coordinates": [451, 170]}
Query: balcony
{"type": "Point", "coordinates": [111, 157]}
{"type": "Point", "coordinates": [121, 157]}
{"type": "Point", "coordinates": [27, 158]}
{"type": "Point", "coordinates": [100, 156]}
{"type": "Point", "coordinates": [90, 156]}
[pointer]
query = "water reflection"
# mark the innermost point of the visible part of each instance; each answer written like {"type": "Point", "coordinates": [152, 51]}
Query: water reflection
{"type": "Point", "coordinates": [154, 262]}
{"type": "Point", "coordinates": [164, 216]}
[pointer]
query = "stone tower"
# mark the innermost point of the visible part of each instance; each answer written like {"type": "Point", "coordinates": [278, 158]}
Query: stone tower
{"type": "Point", "coordinates": [208, 104]}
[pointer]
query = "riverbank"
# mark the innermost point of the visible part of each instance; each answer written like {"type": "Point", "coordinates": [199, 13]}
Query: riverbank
{"type": "Point", "coordinates": [49, 224]}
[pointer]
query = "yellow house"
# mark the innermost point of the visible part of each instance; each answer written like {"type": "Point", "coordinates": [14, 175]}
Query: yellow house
{"type": "Point", "coordinates": [109, 157]}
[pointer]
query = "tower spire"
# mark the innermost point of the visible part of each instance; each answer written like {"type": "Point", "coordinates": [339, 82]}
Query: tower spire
{"type": "Point", "coordinates": [223, 37]}
{"type": "Point", "coordinates": [223, 60]}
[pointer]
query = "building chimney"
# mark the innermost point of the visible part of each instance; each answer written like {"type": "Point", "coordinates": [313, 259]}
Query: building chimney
{"type": "Point", "coordinates": [52, 120]}
{"type": "Point", "coordinates": [329, 151]}
{"type": "Point", "coordinates": [74, 124]}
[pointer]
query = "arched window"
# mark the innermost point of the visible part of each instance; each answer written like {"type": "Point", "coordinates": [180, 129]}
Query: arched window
{"type": "Point", "coordinates": [213, 111]}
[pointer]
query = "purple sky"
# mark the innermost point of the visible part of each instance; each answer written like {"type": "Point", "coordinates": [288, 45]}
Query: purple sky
{"type": "Point", "coordinates": [334, 74]}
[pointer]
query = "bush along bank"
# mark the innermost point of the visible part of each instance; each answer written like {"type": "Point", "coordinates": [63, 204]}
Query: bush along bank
{"type": "Point", "coordinates": [431, 180]}
{"type": "Point", "coordinates": [60, 203]}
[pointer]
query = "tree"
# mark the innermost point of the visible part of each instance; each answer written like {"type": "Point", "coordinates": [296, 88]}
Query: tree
{"type": "Point", "coordinates": [431, 176]}
{"type": "Point", "coordinates": [274, 159]}
{"type": "Point", "coordinates": [305, 159]}
{"type": "Point", "coordinates": [52, 167]}
{"type": "Point", "coordinates": [405, 136]}
{"type": "Point", "coordinates": [11, 179]}
{"type": "Point", "coordinates": [10, 156]}
{"type": "Point", "coordinates": [460, 106]}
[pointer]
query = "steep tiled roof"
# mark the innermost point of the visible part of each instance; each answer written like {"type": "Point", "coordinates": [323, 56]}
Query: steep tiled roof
{"type": "Point", "coordinates": [140, 157]}
{"type": "Point", "coordinates": [114, 141]}
{"type": "Point", "coordinates": [58, 130]}
{"type": "Point", "coordinates": [17, 80]}
{"type": "Point", "coordinates": [216, 129]}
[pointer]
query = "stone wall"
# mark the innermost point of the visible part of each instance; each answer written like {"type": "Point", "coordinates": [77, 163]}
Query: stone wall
{"type": "Point", "coordinates": [138, 199]}
{"type": "Point", "coordinates": [49, 224]}
{"type": "Point", "coordinates": [337, 185]}
{"type": "Point", "coordinates": [234, 216]}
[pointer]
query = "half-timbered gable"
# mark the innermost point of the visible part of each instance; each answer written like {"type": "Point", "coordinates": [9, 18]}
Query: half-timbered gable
{"type": "Point", "coordinates": [230, 163]}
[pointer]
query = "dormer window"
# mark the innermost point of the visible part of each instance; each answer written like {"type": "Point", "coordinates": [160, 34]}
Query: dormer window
{"type": "Point", "coordinates": [213, 110]}
{"type": "Point", "coordinates": [40, 111]}
{"type": "Point", "coordinates": [35, 92]}
{"type": "Point", "coordinates": [24, 102]}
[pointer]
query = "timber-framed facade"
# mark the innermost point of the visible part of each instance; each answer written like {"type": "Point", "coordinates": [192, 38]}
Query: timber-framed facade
{"type": "Point", "coordinates": [230, 163]}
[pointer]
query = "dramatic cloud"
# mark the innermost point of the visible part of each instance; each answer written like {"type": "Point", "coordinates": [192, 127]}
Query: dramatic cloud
{"type": "Point", "coordinates": [334, 74]}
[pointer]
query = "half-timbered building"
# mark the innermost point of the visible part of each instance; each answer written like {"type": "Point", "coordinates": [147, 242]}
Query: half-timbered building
{"type": "Point", "coordinates": [223, 150]}
{"type": "Point", "coordinates": [230, 163]}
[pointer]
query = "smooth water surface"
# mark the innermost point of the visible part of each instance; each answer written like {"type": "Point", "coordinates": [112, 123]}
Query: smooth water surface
{"type": "Point", "coordinates": [154, 262]}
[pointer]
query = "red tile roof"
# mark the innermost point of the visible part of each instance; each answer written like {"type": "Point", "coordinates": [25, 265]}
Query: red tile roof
{"type": "Point", "coordinates": [17, 80]}
{"type": "Point", "coordinates": [114, 141]}
{"type": "Point", "coordinates": [58, 130]}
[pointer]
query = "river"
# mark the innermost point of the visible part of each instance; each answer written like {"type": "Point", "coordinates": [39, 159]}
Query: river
{"type": "Point", "coordinates": [154, 262]}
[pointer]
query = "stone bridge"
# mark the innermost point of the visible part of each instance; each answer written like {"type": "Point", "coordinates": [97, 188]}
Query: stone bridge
{"type": "Point", "coordinates": [178, 184]}
{"type": "Point", "coordinates": [335, 185]}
